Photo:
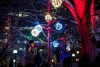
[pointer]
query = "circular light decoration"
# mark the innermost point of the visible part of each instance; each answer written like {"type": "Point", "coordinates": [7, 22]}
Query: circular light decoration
{"type": "Point", "coordinates": [55, 43]}
{"type": "Point", "coordinates": [35, 32]}
{"type": "Point", "coordinates": [58, 26]}
{"type": "Point", "coordinates": [48, 17]}
{"type": "Point", "coordinates": [56, 3]}
{"type": "Point", "coordinates": [38, 27]}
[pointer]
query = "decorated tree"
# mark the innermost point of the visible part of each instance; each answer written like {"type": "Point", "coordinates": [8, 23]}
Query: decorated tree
{"type": "Point", "coordinates": [83, 13]}
{"type": "Point", "coordinates": [6, 36]}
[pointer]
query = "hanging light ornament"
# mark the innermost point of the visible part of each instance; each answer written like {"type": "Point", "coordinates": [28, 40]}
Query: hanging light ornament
{"type": "Point", "coordinates": [55, 43]}
{"type": "Point", "coordinates": [58, 26]}
{"type": "Point", "coordinates": [39, 28]}
{"type": "Point", "coordinates": [48, 17]}
{"type": "Point", "coordinates": [35, 32]}
{"type": "Point", "coordinates": [56, 3]}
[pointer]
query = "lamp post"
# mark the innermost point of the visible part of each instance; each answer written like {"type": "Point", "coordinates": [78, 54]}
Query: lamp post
{"type": "Point", "coordinates": [14, 60]}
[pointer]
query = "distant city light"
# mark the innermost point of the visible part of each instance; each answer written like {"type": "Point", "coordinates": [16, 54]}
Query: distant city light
{"type": "Point", "coordinates": [15, 51]}
{"type": "Point", "coordinates": [52, 60]}
{"type": "Point", "coordinates": [25, 42]}
{"type": "Point", "coordinates": [77, 60]}
{"type": "Point", "coordinates": [20, 48]}
{"type": "Point", "coordinates": [18, 41]}
{"type": "Point", "coordinates": [14, 60]}
{"type": "Point", "coordinates": [40, 50]}
{"type": "Point", "coordinates": [73, 55]}
{"type": "Point", "coordinates": [77, 52]}
{"type": "Point", "coordinates": [7, 28]}
{"type": "Point", "coordinates": [6, 33]}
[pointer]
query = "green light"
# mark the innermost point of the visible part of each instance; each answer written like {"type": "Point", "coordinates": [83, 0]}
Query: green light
{"type": "Point", "coordinates": [30, 36]}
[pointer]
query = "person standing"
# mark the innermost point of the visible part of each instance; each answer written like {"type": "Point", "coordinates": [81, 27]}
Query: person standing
{"type": "Point", "coordinates": [31, 53]}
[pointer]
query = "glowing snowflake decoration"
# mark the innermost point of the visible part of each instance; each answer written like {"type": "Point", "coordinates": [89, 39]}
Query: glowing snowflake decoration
{"type": "Point", "coordinates": [56, 3]}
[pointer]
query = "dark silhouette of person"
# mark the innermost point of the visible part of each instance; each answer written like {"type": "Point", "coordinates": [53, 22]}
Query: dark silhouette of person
{"type": "Point", "coordinates": [32, 57]}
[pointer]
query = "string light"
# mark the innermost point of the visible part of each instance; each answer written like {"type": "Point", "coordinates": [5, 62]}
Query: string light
{"type": "Point", "coordinates": [56, 3]}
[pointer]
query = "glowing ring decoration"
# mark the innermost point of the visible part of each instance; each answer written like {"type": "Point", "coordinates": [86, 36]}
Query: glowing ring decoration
{"type": "Point", "coordinates": [58, 26]}
{"type": "Point", "coordinates": [55, 43]}
{"type": "Point", "coordinates": [39, 28]}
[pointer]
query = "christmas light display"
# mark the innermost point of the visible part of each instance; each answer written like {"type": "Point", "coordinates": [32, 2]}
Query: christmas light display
{"type": "Point", "coordinates": [56, 3]}
{"type": "Point", "coordinates": [39, 28]}
{"type": "Point", "coordinates": [58, 26]}
{"type": "Point", "coordinates": [35, 32]}
{"type": "Point", "coordinates": [48, 17]}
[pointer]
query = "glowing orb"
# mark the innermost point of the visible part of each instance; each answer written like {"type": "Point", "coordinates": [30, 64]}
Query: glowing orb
{"type": "Point", "coordinates": [55, 43]}
{"type": "Point", "coordinates": [35, 32]}
{"type": "Point", "coordinates": [48, 17]}
{"type": "Point", "coordinates": [38, 27]}
{"type": "Point", "coordinates": [58, 26]}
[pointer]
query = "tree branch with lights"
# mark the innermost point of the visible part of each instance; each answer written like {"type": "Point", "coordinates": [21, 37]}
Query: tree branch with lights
{"type": "Point", "coordinates": [82, 15]}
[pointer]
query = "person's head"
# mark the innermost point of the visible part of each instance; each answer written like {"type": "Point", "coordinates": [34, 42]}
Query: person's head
{"type": "Point", "coordinates": [32, 43]}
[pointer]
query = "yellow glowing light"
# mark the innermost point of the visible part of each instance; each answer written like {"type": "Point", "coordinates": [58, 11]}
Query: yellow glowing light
{"type": "Point", "coordinates": [48, 17]}
{"type": "Point", "coordinates": [56, 3]}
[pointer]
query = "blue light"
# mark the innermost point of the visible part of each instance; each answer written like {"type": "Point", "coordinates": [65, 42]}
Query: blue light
{"type": "Point", "coordinates": [39, 28]}
{"type": "Point", "coordinates": [58, 26]}
{"type": "Point", "coordinates": [63, 56]}
{"type": "Point", "coordinates": [55, 43]}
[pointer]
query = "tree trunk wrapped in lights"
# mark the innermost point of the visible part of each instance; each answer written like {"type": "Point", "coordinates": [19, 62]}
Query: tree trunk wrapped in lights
{"type": "Point", "coordinates": [83, 13]}
{"type": "Point", "coordinates": [6, 28]}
